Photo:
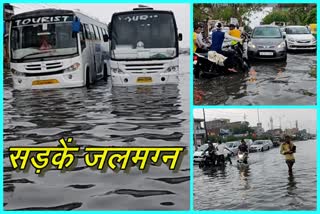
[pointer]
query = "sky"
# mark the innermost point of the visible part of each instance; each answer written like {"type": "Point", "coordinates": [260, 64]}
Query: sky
{"type": "Point", "coordinates": [256, 18]}
{"type": "Point", "coordinates": [103, 12]}
{"type": "Point", "coordinates": [306, 117]}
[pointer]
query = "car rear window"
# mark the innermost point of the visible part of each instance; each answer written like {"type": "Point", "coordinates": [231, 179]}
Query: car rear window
{"type": "Point", "coordinates": [266, 32]}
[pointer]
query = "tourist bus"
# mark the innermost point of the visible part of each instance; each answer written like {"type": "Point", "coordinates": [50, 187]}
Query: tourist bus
{"type": "Point", "coordinates": [54, 48]}
{"type": "Point", "coordinates": [144, 47]}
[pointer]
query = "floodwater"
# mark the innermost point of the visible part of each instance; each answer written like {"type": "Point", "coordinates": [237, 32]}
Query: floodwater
{"type": "Point", "coordinates": [265, 185]}
{"type": "Point", "coordinates": [100, 116]}
{"type": "Point", "coordinates": [267, 83]}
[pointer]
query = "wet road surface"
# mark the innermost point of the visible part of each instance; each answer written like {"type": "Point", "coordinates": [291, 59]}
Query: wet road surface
{"type": "Point", "coordinates": [267, 83]}
{"type": "Point", "coordinates": [100, 116]}
{"type": "Point", "coordinates": [265, 185]}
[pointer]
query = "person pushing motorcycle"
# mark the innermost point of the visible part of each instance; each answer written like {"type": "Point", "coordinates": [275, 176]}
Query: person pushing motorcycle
{"type": "Point", "coordinates": [212, 152]}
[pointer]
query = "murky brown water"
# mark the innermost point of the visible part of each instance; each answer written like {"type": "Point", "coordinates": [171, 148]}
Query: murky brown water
{"type": "Point", "coordinates": [100, 116]}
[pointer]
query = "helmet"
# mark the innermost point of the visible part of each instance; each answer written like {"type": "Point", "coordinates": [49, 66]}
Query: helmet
{"type": "Point", "coordinates": [218, 25]}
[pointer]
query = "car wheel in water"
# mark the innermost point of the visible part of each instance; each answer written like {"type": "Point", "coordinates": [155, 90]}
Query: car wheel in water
{"type": "Point", "coordinates": [262, 150]}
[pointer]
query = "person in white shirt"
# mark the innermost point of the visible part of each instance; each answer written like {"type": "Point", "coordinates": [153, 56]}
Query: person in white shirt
{"type": "Point", "coordinates": [222, 155]}
{"type": "Point", "coordinates": [201, 42]}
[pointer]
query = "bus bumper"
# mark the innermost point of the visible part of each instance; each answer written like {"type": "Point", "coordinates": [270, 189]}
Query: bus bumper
{"type": "Point", "coordinates": [66, 80]}
{"type": "Point", "coordinates": [144, 79]}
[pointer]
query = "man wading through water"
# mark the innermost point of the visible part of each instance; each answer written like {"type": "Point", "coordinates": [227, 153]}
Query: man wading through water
{"type": "Point", "coordinates": [287, 149]}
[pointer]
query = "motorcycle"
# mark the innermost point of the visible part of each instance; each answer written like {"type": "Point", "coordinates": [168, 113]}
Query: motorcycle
{"type": "Point", "coordinates": [207, 161]}
{"type": "Point", "coordinates": [235, 60]}
{"type": "Point", "coordinates": [242, 159]}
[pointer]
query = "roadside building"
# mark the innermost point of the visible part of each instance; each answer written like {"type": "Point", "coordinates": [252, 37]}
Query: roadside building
{"type": "Point", "coordinates": [258, 130]}
{"type": "Point", "coordinates": [214, 126]}
{"type": "Point", "coordinates": [198, 132]}
{"type": "Point", "coordinates": [291, 132]}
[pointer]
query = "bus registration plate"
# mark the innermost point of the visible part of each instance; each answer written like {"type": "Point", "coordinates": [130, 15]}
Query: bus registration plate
{"type": "Point", "coordinates": [45, 82]}
{"type": "Point", "coordinates": [144, 79]}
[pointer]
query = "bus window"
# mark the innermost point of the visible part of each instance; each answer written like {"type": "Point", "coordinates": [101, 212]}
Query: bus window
{"type": "Point", "coordinates": [105, 32]}
{"type": "Point", "coordinates": [96, 31]}
{"type": "Point", "coordinates": [93, 36]}
{"type": "Point", "coordinates": [101, 34]}
{"type": "Point", "coordinates": [82, 38]}
{"type": "Point", "coordinates": [87, 31]}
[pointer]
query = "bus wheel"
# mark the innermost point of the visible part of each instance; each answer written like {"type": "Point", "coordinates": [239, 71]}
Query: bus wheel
{"type": "Point", "coordinates": [105, 73]}
{"type": "Point", "coordinates": [87, 78]}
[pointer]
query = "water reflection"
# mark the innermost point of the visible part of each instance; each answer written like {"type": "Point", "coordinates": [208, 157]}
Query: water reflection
{"type": "Point", "coordinates": [99, 116]}
{"type": "Point", "coordinates": [291, 184]}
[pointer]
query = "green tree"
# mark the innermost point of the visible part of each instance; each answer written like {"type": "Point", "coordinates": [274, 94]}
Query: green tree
{"type": "Point", "coordinates": [224, 12]}
{"type": "Point", "coordinates": [311, 17]}
{"type": "Point", "coordinates": [275, 16]}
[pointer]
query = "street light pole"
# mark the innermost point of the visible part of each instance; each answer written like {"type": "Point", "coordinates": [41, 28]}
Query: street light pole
{"type": "Point", "coordinates": [204, 125]}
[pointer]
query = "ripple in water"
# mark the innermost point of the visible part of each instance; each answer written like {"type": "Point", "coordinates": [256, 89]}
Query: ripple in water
{"type": "Point", "coordinates": [99, 116]}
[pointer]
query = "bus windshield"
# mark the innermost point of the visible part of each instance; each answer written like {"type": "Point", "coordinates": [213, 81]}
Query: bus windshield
{"type": "Point", "coordinates": [42, 40]}
{"type": "Point", "coordinates": [143, 35]}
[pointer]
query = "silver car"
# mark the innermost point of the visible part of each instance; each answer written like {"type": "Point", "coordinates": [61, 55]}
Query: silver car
{"type": "Point", "coordinates": [197, 155]}
{"type": "Point", "coordinates": [233, 146]}
{"type": "Point", "coordinates": [267, 42]}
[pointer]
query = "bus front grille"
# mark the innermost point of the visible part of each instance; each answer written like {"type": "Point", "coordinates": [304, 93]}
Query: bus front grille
{"type": "Point", "coordinates": [144, 68]}
{"type": "Point", "coordinates": [43, 67]}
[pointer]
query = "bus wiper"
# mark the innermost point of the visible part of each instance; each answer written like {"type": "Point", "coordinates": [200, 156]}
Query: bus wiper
{"type": "Point", "coordinates": [34, 54]}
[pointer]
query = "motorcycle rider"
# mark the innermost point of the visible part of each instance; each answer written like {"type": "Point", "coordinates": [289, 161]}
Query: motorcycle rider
{"type": "Point", "coordinates": [198, 44]}
{"type": "Point", "coordinates": [217, 39]}
{"type": "Point", "coordinates": [243, 148]}
{"type": "Point", "coordinates": [221, 154]}
{"type": "Point", "coordinates": [196, 31]}
{"type": "Point", "coordinates": [216, 45]}
{"type": "Point", "coordinates": [212, 152]}
{"type": "Point", "coordinates": [235, 32]}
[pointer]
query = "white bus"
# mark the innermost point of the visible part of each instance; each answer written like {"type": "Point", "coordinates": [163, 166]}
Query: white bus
{"type": "Point", "coordinates": [53, 48]}
{"type": "Point", "coordinates": [144, 47]}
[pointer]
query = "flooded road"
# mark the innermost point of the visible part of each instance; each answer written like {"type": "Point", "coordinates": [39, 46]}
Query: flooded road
{"type": "Point", "coordinates": [268, 83]}
{"type": "Point", "coordinates": [100, 116]}
{"type": "Point", "coordinates": [266, 185]}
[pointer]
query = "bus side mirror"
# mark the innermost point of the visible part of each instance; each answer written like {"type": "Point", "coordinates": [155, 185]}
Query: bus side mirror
{"type": "Point", "coordinates": [105, 38]}
{"type": "Point", "coordinates": [76, 25]}
{"type": "Point", "coordinates": [180, 36]}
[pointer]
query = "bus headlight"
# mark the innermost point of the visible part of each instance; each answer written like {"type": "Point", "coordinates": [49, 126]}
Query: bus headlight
{"type": "Point", "coordinates": [17, 73]}
{"type": "Point", "coordinates": [73, 67]}
{"type": "Point", "coordinates": [172, 69]}
{"type": "Point", "coordinates": [116, 71]}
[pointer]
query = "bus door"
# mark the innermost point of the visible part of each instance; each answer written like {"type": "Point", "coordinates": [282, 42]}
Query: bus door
{"type": "Point", "coordinates": [90, 56]}
{"type": "Point", "coordinates": [98, 51]}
